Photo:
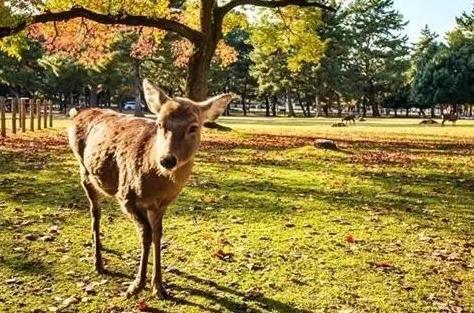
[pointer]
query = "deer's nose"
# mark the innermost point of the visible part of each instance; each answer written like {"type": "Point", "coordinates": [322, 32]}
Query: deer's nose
{"type": "Point", "coordinates": [168, 161]}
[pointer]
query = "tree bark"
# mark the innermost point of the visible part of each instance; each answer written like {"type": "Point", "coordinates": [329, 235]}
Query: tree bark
{"type": "Point", "coordinates": [274, 105]}
{"type": "Point", "coordinates": [267, 106]}
{"type": "Point", "coordinates": [300, 103]}
{"type": "Point", "coordinates": [137, 87]}
{"type": "Point", "coordinates": [93, 89]}
{"type": "Point", "coordinates": [289, 105]}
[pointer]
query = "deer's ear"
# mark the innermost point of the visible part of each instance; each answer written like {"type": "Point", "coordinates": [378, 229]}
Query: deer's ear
{"type": "Point", "coordinates": [154, 96]}
{"type": "Point", "coordinates": [215, 106]}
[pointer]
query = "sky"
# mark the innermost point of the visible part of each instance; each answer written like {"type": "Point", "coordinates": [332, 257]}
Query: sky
{"type": "Point", "coordinates": [439, 15]}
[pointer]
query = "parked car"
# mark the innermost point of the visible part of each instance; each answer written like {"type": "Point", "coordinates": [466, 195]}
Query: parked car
{"type": "Point", "coordinates": [129, 105]}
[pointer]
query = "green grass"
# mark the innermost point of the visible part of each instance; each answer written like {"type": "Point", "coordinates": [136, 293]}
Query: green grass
{"type": "Point", "coordinates": [287, 211]}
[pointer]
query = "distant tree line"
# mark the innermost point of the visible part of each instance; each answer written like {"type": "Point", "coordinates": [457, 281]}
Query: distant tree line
{"type": "Point", "coordinates": [289, 61]}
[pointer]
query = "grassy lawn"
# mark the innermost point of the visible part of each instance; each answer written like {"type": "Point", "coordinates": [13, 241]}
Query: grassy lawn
{"type": "Point", "coordinates": [384, 225]}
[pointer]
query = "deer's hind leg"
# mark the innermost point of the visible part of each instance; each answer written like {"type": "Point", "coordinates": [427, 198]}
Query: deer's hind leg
{"type": "Point", "coordinates": [93, 197]}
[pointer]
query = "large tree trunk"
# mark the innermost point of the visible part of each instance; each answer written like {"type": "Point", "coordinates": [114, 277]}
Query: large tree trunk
{"type": "Point", "coordinates": [198, 73]}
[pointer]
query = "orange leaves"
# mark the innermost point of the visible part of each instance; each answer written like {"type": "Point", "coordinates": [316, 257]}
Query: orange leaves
{"type": "Point", "coordinates": [82, 39]}
{"type": "Point", "coordinates": [225, 54]}
{"type": "Point", "coordinates": [182, 50]}
{"type": "Point", "coordinates": [33, 144]}
{"type": "Point", "coordinates": [147, 42]}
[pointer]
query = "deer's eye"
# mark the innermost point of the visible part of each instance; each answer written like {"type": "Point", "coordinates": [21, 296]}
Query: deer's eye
{"type": "Point", "coordinates": [193, 129]}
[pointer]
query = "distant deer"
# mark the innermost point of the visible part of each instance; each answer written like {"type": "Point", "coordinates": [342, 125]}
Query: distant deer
{"type": "Point", "coordinates": [143, 164]}
{"type": "Point", "coordinates": [450, 118]}
{"type": "Point", "coordinates": [349, 118]}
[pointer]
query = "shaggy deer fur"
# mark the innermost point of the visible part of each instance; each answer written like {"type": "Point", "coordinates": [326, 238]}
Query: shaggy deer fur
{"type": "Point", "coordinates": [143, 163]}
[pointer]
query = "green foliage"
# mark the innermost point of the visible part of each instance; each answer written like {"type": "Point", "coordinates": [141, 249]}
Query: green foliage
{"type": "Point", "coordinates": [378, 51]}
{"type": "Point", "coordinates": [445, 73]}
{"type": "Point", "coordinates": [290, 32]}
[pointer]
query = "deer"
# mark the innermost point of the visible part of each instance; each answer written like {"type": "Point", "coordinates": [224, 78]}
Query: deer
{"type": "Point", "coordinates": [142, 163]}
{"type": "Point", "coordinates": [450, 118]}
{"type": "Point", "coordinates": [349, 118]}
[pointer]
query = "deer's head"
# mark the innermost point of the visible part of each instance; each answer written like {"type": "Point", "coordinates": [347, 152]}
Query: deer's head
{"type": "Point", "coordinates": [179, 122]}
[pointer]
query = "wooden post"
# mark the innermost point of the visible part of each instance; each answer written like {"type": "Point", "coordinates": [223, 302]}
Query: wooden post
{"type": "Point", "coordinates": [3, 126]}
{"type": "Point", "coordinates": [45, 115]}
{"type": "Point", "coordinates": [23, 115]}
{"type": "Point", "coordinates": [50, 102]}
{"type": "Point", "coordinates": [38, 113]}
{"type": "Point", "coordinates": [32, 114]}
{"type": "Point", "coordinates": [14, 110]}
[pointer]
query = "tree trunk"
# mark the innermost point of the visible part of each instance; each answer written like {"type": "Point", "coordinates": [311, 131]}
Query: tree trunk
{"type": "Point", "coordinates": [93, 100]}
{"type": "Point", "coordinates": [364, 107]}
{"type": "Point", "coordinates": [267, 106]}
{"type": "Point", "coordinates": [289, 105]}
{"type": "Point", "coordinates": [433, 115]}
{"type": "Point", "coordinates": [274, 105]}
{"type": "Point", "coordinates": [198, 73]}
{"type": "Point", "coordinates": [375, 108]}
{"type": "Point", "coordinates": [243, 96]}
{"type": "Point", "coordinates": [407, 112]}
{"type": "Point", "coordinates": [308, 106]}
{"type": "Point", "coordinates": [318, 105]}
{"type": "Point", "coordinates": [300, 103]}
{"type": "Point", "coordinates": [137, 87]}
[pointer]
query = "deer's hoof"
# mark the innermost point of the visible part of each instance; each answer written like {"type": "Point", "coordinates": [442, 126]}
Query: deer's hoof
{"type": "Point", "coordinates": [134, 289]}
{"type": "Point", "coordinates": [160, 292]}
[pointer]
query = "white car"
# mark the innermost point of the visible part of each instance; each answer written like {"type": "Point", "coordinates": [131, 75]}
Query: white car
{"type": "Point", "coordinates": [129, 105]}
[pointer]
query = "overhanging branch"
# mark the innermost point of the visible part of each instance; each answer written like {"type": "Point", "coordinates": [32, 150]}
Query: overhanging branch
{"type": "Point", "coordinates": [121, 18]}
{"type": "Point", "coordinates": [272, 4]}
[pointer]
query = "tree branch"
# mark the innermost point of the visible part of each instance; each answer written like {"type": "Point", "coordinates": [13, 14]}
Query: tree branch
{"type": "Point", "coordinates": [121, 18]}
{"type": "Point", "coordinates": [272, 4]}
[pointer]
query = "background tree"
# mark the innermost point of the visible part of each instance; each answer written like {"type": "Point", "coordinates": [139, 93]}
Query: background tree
{"type": "Point", "coordinates": [378, 50]}
{"type": "Point", "coordinates": [210, 22]}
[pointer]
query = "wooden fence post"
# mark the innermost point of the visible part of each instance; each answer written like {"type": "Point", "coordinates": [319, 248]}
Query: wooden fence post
{"type": "Point", "coordinates": [38, 113]}
{"type": "Point", "coordinates": [3, 126]}
{"type": "Point", "coordinates": [14, 110]}
{"type": "Point", "coordinates": [50, 102]}
{"type": "Point", "coordinates": [23, 115]}
{"type": "Point", "coordinates": [45, 116]}
{"type": "Point", "coordinates": [32, 114]}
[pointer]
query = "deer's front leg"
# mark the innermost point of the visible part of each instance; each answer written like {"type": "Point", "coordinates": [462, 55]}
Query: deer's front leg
{"type": "Point", "coordinates": [144, 232]}
{"type": "Point", "coordinates": [155, 219]}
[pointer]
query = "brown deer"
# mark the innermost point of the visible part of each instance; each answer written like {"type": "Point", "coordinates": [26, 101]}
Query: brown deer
{"type": "Point", "coordinates": [450, 118]}
{"type": "Point", "coordinates": [349, 118]}
{"type": "Point", "coordinates": [142, 163]}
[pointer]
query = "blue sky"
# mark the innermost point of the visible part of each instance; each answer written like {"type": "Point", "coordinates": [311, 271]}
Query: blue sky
{"type": "Point", "coordinates": [438, 14]}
